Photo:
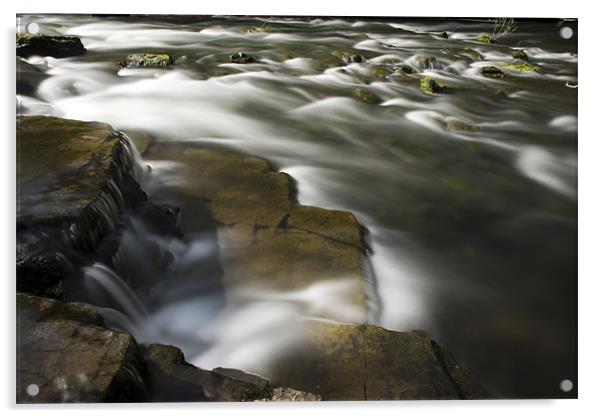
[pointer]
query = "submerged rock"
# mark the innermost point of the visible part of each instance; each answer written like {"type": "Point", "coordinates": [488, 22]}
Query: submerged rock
{"type": "Point", "coordinates": [522, 67]}
{"type": "Point", "coordinates": [66, 354]}
{"type": "Point", "coordinates": [486, 39]}
{"type": "Point", "coordinates": [47, 45]}
{"type": "Point", "coordinates": [459, 125]}
{"type": "Point", "coordinates": [241, 58]}
{"type": "Point", "coordinates": [430, 85]}
{"type": "Point", "coordinates": [426, 61]}
{"type": "Point", "coordinates": [148, 60]}
{"type": "Point", "coordinates": [28, 77]}
{"type": "Point", "coordinates": [365, 95]}
{"type": "Point", "coordinates": [520, 54]}
{"type": "Point", "coordinates": [73, 180]}
{"type": "Point", "coordinates": [355, 362]}
{"type": "Point", "coordinates": [490, 71]}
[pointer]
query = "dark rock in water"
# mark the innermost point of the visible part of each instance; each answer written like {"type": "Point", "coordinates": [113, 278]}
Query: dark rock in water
{"type": "Point", "coordinates": [349, 57]}
{"type": "Point", "coordinates": [74, 179]}
{"type": "Point", "coordinates": [460, 125]}
{"type": "Point", "coordinates": [148, 60]}
{"type": "Point", "coordinates": [490, 71]}
{"type": "Point", "coordinates": [46, 45]}
{"type": "Point", "coordinates": [28, 77]}
{"type": "Point", "coordinates": [351, 362]}
{"type": "Point", "coordinates": [241, 58]}
{"type": "Point", "coordinates": [66, 354]}
{"type": "Point", "coordinates": [444, 35]}
{"type": "Point", "coordinates": [405, 69]}
{"type": "Point", "coordinates": [430, 85]}
{"type": "Point", "coordinates": [520, 54]}
{"type": "Point", "coordinates": [172, 379]}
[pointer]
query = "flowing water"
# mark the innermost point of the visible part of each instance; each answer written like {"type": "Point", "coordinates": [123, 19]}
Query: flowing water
{"type": "Point", "coordinates": [473, 231]}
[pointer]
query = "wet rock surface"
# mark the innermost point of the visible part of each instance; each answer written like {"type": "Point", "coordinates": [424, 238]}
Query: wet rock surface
{"type": "Point", "coordinates": [351, 362]}
{"type": "Point", "coordinates": [46, 45]}
{"type": "Point", "coordinates": [73, 180]}
{"type": "Point", "coordinates": [265, 237]}
{"type": "Point", "coordinates": [66, 354]}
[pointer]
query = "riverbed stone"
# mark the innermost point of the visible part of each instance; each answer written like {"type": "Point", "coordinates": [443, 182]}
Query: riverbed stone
{"type": "Point", "coordinates": [148, 59]}
{"type": "Point", "coordinates": [491, 71]}
{"type": "Point", "coordinates": [48, 45]}
{"type": "Point", "coordinates": [365, 362]}
{"type": "Point", "coordinates": [74, 179]}
{"type": "Point", "coordinates": [66, 354]}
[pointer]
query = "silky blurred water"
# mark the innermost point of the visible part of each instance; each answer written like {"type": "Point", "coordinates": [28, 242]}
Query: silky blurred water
{"type": "Point", "coordinates": [473, 232]}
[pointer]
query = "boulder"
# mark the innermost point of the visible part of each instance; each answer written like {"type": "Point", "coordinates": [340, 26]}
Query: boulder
{"type": "Point", "coordinates": [66, 354]}
{"type": "Point", "coordinates": [46, 45]}
{"type": "Point", "coordinates": [426, 61]}
{"type": "Point", "coordinates": [147, 59]}
{"type": "Point", "coordinates": [365, 362]}
{"type": "Point", "coordinates": [521, 67]}
{"type": "Point", "coordinates": [490, 71]}
{"type": "Point", "coordinates": [74, 179]}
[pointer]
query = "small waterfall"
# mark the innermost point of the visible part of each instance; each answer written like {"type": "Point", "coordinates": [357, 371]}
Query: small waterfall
{"type": "Point", "coordinates": [127, 302]}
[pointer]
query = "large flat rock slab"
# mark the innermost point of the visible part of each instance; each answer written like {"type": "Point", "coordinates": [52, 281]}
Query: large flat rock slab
{"type": "Point", "coordinates": [365, 362]}
{"type": "Point", "coordinates": [267, 240]}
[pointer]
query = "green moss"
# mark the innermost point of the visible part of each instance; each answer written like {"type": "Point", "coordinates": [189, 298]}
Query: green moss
{"type": "Point", "coordinates": [365, 96]}
{"type": "Point", "coordinates": [490, 71]}
{"type": "Point", "coordinates": [486, 39]}
{"type": "Point", "coordinates": [523, 67]}
{"type": "Point", "coordinates": [520, 54]}
{"type": "Point", "coordinates": [430, 85]}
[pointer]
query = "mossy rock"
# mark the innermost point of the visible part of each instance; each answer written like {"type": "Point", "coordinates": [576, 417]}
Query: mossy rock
{"type": "Point", "coordinates": [459, 125]}
{"type": "Point", "coordinates": [486, 38]}
{"type": "Point", "coordinates": [147, 59]}
{"type": "Point", "coordinates": [491, 71]}
{"type": "Point", "coordinates": [365, 95]}
{"type": "Point", "coordinates": [259, 29]}
{"type": "Point", "coordinates": [522, 67]}
{"type": "Point", "coordinates": [430, 85]}
{"type": "Point", "coordinates": [382, 72]}
{"type": "Point", "coordinates": [45, 45]}
{"type": "Point", "coordinates": [404, 69]}
{"type": "Point", "coordinates": [520, 54]}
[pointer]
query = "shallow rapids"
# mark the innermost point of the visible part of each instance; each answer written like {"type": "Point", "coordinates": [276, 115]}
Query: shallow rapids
{"type": "Point", "coordinates": [472, 231]}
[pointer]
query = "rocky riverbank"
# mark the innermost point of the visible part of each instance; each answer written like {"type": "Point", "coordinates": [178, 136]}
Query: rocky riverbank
{"type": "Point", "coordinates": [76, 180]}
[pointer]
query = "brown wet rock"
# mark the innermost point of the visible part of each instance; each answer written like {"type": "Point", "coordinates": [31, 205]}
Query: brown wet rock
{"type": "Point", "coordinates": [74, 179]}
{"type": "Point", "coordinates": [356, 362]}
{"type": "Point", "coordinates": [70, 356]}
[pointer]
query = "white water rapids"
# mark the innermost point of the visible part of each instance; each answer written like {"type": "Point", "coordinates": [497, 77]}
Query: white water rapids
{"type": "Point", "coordinates": [468, 229]}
